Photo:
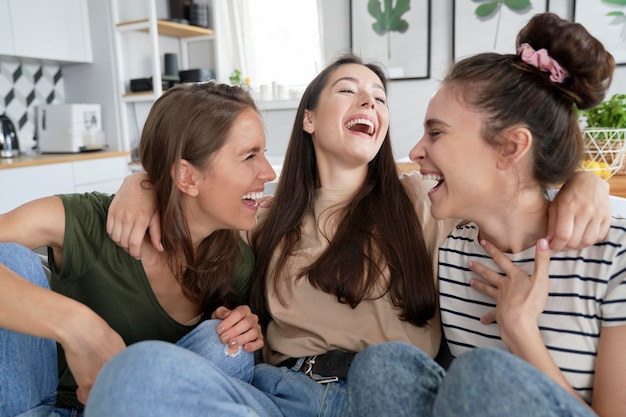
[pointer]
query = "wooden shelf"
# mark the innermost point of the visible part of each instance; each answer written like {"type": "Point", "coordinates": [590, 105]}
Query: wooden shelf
{"type": "Point", "coordinates": [139, 96]}
{"type": "Point", "coordinates": [167, 28]}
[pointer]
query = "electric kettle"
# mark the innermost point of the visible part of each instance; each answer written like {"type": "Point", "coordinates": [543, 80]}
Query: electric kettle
{"type": "Point", "coordinates": [9, 144]}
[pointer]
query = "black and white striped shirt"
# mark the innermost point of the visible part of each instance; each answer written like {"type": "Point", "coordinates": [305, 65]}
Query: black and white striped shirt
{"type": "Point", "coordinates": [587, 292]}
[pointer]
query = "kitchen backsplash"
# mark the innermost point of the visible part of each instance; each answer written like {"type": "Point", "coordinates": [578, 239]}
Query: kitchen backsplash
{"type": "Point", "coordinates": [24, 85]}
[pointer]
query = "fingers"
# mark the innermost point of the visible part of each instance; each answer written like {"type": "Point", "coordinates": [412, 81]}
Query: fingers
{"type": "Point", "coordinates": [542, 260]}
{"type": "Point", "coordinates": [489, 318]}
{"type": "Point", "coordinates": [239, 327]}
{"type": "Point", "coordinates": [266, 201]}
{"type": "Point", "coordinates": [580, 214]}
{"type": "Point", "coordinates": [220, 313]}
{"type": "Point", "coordinates": [82, 394]}
{"type": "Point", "coordinates": [155, 232]}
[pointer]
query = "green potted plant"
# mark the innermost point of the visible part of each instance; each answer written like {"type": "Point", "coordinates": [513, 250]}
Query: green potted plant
{"type": "Point", "coordinates": [604, 130]}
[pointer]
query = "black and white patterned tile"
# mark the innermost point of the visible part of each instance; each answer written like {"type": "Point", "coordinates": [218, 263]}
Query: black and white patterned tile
{"type": "Point", "coordinates": [23, 86]}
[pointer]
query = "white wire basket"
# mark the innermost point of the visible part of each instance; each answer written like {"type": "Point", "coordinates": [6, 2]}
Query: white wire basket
{"type": "Point", "coordinates": [604, 151]}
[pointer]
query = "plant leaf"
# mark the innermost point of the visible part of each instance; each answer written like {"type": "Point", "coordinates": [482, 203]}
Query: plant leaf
{"type": "Point", "coordinates": [517, 4]}
{"type": "Point", "coordinates": [486, 9]}
{"type": "Point", "coordinates": [615, 2]}
{"type": "Point", "coordinates": [617, 14]}
{"type": "Point", "coordinates": [389, 19]}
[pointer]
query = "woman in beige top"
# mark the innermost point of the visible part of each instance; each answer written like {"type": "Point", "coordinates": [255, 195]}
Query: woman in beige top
{"type": "Point", "coordinates": [344, 262]}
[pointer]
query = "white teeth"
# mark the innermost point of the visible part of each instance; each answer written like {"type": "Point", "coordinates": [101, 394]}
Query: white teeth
{"type": "Point", "coordinates": [432, 177]}
{"type": "Point", "coordinates": [366, 122]}
{"type": "Point", "coordinates": [252, 196]}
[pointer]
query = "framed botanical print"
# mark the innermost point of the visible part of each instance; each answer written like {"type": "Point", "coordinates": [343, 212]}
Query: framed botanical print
{"type": "Point", "coordinates": [490, 25]}
{"type": "Point", "coordinates": [395, 34]}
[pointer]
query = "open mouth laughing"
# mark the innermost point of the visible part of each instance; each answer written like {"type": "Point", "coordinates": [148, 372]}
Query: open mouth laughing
{"type": "Point", "coordinates": [434, 177]}
{"type": "Point", "coordinates": [361, 125]}
{"type": "Point", "coordinates": [251, 198]}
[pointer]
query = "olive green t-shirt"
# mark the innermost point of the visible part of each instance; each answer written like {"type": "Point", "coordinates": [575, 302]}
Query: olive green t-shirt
{"type": "Point", "coordinates": [103, 276]}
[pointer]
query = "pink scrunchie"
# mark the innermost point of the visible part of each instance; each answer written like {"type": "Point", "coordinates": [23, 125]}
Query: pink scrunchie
{"type": "Point", "coordinates": [543, 61]}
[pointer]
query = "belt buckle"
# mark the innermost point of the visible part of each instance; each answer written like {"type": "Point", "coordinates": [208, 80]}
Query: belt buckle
{"type": "Point", "coordinates": [308, 371]}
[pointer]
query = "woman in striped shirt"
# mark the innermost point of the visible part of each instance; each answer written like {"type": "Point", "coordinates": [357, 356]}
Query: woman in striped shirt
{"type": "Point", "coordinates": [500, 131]}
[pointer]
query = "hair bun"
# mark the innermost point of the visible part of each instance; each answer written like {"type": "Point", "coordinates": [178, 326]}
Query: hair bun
{"type": "Point", "coordinates": [589, 64]}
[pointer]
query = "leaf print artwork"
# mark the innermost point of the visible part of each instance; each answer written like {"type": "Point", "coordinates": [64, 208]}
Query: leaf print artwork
{"type": "Point", "coordinates": [491, 8]}
{"type": "Point", "coordinates": [389, 19]}
{"type": "Point", "coordinates": [620, 17]}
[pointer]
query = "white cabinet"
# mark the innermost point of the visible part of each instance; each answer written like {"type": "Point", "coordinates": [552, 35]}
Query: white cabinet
{"type": "Point", "coordinates": [6, 33]}
{"type": "Point", "coordinates": [20, 185]}
{"type": "Point", "coordinates": [48, 30]}
{"type": "Point", "coordinates": [159, 36]}
{"type": "Point", "coordinates": [103, 175]}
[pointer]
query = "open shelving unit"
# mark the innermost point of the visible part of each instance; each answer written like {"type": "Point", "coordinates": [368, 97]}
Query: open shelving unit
{"type": "Point", "coordinates": [154, 28]}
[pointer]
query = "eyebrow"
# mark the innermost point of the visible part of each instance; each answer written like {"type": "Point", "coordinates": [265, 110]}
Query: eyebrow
{"type": "Point", "coordinates": [354, 80]}
{"type": "Point", "coordinates": [432, 122]}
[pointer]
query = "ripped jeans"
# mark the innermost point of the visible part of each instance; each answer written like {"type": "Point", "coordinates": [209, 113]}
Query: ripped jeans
{"type": "Point", "coordinates": [28, 364]}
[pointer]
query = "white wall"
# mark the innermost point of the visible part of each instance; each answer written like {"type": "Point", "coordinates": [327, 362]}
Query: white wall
{"type": "Point", "coordinates": [408, 99]}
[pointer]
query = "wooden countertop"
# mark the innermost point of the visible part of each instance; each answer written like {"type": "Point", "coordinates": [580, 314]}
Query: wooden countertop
{"type": "Point", "coordinates": [616, 182]}
{"type": "Point", "coordinates": [43, 159]}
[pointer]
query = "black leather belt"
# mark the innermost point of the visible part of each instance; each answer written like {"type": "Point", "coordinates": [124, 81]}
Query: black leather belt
{"type": "Point", "coordinates": [331, 366]}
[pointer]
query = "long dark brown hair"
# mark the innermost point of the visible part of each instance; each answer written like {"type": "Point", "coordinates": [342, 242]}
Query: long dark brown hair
{"type": "Point", "coordinates": [511, 92]}
{"type": "Point", "coordinates": [379, 228]}
{"type": "Point", "coordinates": [191, 122]}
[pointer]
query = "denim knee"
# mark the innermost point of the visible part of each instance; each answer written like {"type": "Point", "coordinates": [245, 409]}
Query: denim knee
{"type": "Point", "coordinates": [491, 382]}
{"type": "Point", "coordinates": [24, 262]}
{"type": "Point", "coordinates": [205, 342]}
{"type": "Point", "coordinates": [377, 373]}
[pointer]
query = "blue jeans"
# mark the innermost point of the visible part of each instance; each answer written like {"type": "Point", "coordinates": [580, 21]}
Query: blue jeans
{"type": "Point", "coordinates": [492, 382]}
{"type": "Point", "coordinates": [159, 379]}
{"type": "Point", "coordinates": [28, 364]}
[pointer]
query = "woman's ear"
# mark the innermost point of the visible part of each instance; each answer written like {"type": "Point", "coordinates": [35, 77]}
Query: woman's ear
{"type": "Point", "coordinates": [307, 123]}
{"type": "Point", "coordinates": [516, 145]}
{"type": "Point", "coordinates": [185, 177]}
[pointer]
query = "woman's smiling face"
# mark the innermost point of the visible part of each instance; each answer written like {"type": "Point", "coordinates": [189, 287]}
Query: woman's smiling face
{"type": "Point", "coordinates": [454, 152]}
{"type": "Point", "coordinates": [235, 177]}
{"type": "Point", "coordinates": [351, 119]}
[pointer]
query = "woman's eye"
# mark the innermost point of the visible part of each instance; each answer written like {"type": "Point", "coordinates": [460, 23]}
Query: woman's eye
{"type": "Point", "coordinates": [251, 156]}
{"type": "Point", "coordinates": [346, 90]}
{"type": "Point", "coordinates": [434, 133]}
{"type": "Point", "coordinates": [381, 100]}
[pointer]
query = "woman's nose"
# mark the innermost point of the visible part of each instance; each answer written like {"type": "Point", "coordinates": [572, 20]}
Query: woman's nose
{"type": "Point", "coordinates": [367, 100]}
{"type": "Point", "coordinates": [267, 172]}
{"type": "Point", "coordinates": [417, 152]}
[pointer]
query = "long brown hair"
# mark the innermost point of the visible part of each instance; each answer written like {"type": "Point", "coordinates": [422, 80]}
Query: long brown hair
{"type": "Point", "coordinates": [512, 92]}
{"type": "Point", "coordinates": [191, 122]}
{"type": "Point", "coordinates": [379, 228]}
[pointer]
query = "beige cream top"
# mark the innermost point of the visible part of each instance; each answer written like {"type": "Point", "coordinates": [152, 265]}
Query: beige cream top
{"type": "Point", "coordinates": [314, 322]}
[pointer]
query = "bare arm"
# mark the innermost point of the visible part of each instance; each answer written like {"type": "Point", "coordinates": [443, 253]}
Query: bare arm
{"type": "Point", "coordinates": [580, 214]}
{"type": "Point", "coordinates": [35, 224]}
{"type": "Point", "coordinates": [27, 308]}
{"type": "Point", "coordinates": [88, 340]}
{"type": "Point", "coordinates": [131, 213]}
{"type": "Point", "coordinates": [609, 386]}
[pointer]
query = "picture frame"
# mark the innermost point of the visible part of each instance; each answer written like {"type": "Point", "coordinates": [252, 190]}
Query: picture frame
{"type": "Point", "coordinates": [610, 30]}
{"type": "Point", "coordinates": [404, 53]}
{"type": "Point", "coordinates": [493, 33]}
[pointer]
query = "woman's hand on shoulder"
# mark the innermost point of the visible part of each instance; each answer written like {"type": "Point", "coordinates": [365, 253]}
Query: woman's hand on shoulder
{"type": "Point", "coordinates": [239, 327]}
{"type": "Point", "coordinates": [580, 214]}
{"type": "Point", "coordinates": [132, 213]}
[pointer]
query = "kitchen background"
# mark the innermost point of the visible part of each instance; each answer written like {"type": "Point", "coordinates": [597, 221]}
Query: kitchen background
{"type": "Point", "coordinates": [95, 76]}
